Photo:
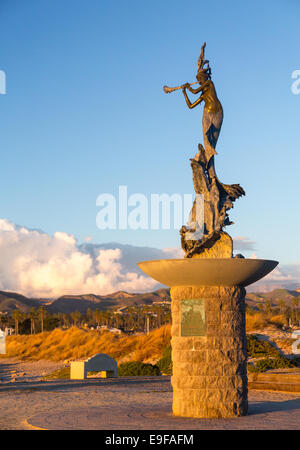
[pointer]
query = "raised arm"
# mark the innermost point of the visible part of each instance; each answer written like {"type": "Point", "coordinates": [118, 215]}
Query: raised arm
{"type": "Point", "coordinates": [199, 89]}
{"type": "Point", "coordinates": [195, 91]}
{"type": "Point", "coordinates": [191, 105]}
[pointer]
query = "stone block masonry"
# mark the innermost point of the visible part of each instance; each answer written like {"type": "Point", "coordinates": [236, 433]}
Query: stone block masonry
{"type": "Point", "coordinates": [209, 370]}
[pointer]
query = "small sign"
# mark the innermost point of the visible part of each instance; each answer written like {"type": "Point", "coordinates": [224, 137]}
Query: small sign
{"type": "Point", "coordinates": [2, 343]}
{"type": "Point", "coordinates": [193, 317]}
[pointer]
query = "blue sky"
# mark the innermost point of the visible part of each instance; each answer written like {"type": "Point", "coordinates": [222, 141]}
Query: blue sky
{"type": "Point", "coordinates": [85, 112]}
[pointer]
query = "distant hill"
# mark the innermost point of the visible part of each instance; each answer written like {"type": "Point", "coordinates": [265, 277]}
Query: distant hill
{"type": "Point", "coordinates": [70, 303]}
{"type": "Point", "coordinates": [10, 301]}
{"type": "Point", "coordinates": [254, 299]}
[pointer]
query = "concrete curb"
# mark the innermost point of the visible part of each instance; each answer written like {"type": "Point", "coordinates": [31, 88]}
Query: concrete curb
{"type": "Point", "coordinates": [283, 382]}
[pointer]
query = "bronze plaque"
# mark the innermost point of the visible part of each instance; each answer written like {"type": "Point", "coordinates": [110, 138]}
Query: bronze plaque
{"type": "Point", "coordinates": [193, 317]}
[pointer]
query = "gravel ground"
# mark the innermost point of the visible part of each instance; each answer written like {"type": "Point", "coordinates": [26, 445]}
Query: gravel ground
{"type": "Point", "coordinates": [133, 403]}
{"type": "Point", "coordinates": [14, 370]}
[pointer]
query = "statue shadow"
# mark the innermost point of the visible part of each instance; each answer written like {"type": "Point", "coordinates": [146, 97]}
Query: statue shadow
{"type": "Point", "coordinates": [148, 383]}
{"type": "Point", "coordinates": [256, 408]}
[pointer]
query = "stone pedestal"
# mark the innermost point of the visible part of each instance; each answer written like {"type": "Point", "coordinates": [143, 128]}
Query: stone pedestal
{"type": "Point", "coordinates": [208, 331]}
{"type": "Point", "coordinates": [209, 351]}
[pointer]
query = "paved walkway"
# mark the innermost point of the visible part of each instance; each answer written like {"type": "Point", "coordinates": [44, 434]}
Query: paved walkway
{"type": "Point", "coordinates": [133, 403]}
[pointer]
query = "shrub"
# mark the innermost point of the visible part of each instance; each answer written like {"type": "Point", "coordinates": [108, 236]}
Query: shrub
{"type": "Point", "coordinates": [137, 368]}
{"type": "Point", "coordinates": [165, 363]}
{"type": "Point", "coordinates": [267, 364]}
{"type": "Point", "coordinates": [256, 347]}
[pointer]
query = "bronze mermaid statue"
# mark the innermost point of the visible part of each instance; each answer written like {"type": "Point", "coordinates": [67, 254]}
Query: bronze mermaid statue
{"type": "Point", "coordinates": [217, 197]}
{"type": "Point", "coordinates": [212, 119]}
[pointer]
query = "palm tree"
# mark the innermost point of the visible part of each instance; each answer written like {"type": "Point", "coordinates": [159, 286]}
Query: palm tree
{"type": "Point", "coordinates": [89, 315]}
{"type": "Point", "coordinates": [106, 316]}
{"type": "Point", "coordinates": [117, 319]}
{"type": "Point", "coordinates": [17, 316]}
{"type": "Point", "coordinates": [3, 319]}
{"type": "Point", "coordinates": [42, 313]}
{"type": "Point", "coordinates": [147, 324]}
{"type": "Point", "coordinates": [268, 307]}
{"type": "Point", "coordinates": [32, 316]}
{"type": "Point", "coordinates": [66, 319]}
{"type": "Point", "coordinates": [97, 316]}
{"type": "Point", "coordinates": [281, 304]}
{"type": "Point", "coordinates": [76, 316]}
{"type": "Point", "coordinates": [159, 313]}
{"type": "Point", "coordinates": [168, 318]}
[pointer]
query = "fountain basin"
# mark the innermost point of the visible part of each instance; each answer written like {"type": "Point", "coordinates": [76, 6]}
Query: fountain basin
{"type": "Point", "coordinates": [208, 271]}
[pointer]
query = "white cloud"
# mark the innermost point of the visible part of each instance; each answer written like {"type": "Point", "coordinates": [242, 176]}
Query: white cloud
{"type": "Point", "coordinates": [38, 265]}
{"type": "Point", "coordinates": [283, 276]}
{"type": "Point", "coordinates": [173, 252]}
{"type": "Point", "coordinates": [243, 243]}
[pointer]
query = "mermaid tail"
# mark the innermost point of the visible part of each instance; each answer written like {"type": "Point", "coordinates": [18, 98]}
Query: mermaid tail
{"type": "Point", "coordinates": [211, 125]}
{"type": "Point", "coordinates": [234, 191]}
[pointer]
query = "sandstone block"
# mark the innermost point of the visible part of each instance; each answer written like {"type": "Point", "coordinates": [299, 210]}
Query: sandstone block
{"type": "Point", "coordinates": [212, 317]}
{"type": "Point", "coordinates": [200, 343]}
{"type": "Point", "coordinates": [182, 343]}
{"type": "Point", "coordinates": [209, 372]}
{"type": "Point", "coordinates": [189, 382]}
{"type": "Point", "coordinates": [175, 329]}
{"type": "Point", "coordinates": [183, 369]}
{"type": "Point", "coordinates": [181, 292]}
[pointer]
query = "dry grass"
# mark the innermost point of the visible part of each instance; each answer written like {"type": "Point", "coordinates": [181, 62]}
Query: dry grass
{"type": "Point", "coordinates": [278, 320]}
{"type": "Point", "coordinates": [75, 343]}
{"type": "Point", "coordinates": [259, 321]}
{"type": "Point", "coordinates": [255, 322]}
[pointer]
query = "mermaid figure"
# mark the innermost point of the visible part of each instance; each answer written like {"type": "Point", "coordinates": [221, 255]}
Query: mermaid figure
{"type": "Point", "coordinates": [211, 122]}
{"type": "Point", "coordinates": [218, 197]}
